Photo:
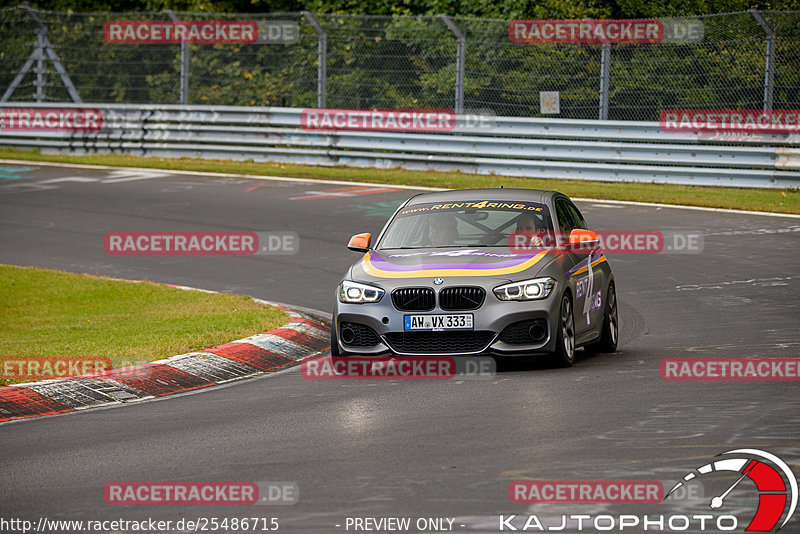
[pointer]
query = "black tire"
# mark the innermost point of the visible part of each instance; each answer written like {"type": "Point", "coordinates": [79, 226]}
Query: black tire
{"type": "Point", "coordinates": [609, 335]}
{"type": "Point", "coordinates": [564, 355]}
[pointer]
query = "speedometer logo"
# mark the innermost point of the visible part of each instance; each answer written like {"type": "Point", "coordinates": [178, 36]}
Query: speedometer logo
{"type": "Point", "coordinates": [774, 480]}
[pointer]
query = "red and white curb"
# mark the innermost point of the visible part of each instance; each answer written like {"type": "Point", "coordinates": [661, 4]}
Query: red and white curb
{"type": "Point", "coordinates": [303, 336]}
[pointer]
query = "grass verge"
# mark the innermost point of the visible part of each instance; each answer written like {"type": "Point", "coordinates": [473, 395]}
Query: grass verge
{"type": "Point", "coordinates": [56, 314]}
{"type": "Point", "coordinates": [774, 200]}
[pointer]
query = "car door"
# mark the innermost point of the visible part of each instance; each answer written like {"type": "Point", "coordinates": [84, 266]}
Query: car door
{"type": "Point", "coordinates": [588, 278]}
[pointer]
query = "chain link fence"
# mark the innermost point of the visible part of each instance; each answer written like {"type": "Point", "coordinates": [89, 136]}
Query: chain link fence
{"type": "Point", "coordinates": [748, 60]}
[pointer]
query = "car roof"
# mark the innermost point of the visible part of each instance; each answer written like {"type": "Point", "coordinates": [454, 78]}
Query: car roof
{"type": "Point", "coordinates": [494, 193]}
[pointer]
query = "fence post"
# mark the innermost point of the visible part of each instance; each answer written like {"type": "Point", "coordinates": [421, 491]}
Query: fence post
{"type": "Point", "coordinates": [43, 50]}
{"type": "Point", "coordinates": [605, 69]}
{"type": "Point", "coordinates": [322, 60]}
{"type": "Point", "coordinates": [461, 49]}
{"type": "Point", "coordinates": [769, 61]}
{"type": "Point", "coordinates": [184, 64]}
{"type": "Point", "coordinates": [41, 68]}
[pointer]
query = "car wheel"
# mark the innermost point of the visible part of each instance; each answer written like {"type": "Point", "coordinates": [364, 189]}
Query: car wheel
{"type": "Point", "coordinates": [609, 335]}
{"type": "Point", "coordinates": [564, 355]}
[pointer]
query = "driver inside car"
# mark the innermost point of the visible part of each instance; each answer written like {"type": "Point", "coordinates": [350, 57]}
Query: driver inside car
{"type": "Point", "coordinates": [526, 223]}
{"type": "Point", "coordinates": [442, 230]}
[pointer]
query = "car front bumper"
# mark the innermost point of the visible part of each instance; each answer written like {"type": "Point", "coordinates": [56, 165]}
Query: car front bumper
{"type": "Point", "coordinates": [493, 317]}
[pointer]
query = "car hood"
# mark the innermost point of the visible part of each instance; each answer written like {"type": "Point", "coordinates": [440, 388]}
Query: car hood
{"type": "Point", "coordinates": [399, 267]}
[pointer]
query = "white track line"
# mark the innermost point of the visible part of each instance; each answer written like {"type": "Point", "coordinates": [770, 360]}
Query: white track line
{"type": "Point", "coordinates": [696, 208]}
{"type": "Point", "coordinates": [374, 184]}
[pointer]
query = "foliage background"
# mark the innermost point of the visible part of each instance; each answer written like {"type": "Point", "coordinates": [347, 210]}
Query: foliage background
{"type": "Point", "coordinates": [510, 9]}
{"type": "Point", "coordinates": [402, 55]}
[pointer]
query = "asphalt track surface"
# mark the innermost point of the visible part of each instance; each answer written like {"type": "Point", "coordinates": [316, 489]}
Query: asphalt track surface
{"type": "Point", "coordinates": [402, 448]}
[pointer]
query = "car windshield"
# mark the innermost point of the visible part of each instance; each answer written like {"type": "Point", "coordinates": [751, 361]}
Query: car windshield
{"type": "Point", "coordinates": [464, 224]}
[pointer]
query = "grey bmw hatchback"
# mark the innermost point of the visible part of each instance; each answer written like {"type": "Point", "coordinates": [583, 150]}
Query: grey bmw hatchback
{"type": "Point", "coordinates": [508, 272]}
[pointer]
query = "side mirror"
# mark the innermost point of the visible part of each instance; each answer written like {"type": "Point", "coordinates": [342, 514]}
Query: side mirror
{"type": "Point", "coordinates": [583, 239]}
{"type": "Point", "coordinates": [360, 242]}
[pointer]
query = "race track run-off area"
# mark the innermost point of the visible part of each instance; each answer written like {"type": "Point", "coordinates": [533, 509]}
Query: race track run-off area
{"type": "Point", "coordinates": [377, 449]}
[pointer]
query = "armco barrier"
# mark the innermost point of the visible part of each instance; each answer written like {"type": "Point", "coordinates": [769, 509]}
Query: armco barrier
{"type": "Point", "coordinates": [525, 147]}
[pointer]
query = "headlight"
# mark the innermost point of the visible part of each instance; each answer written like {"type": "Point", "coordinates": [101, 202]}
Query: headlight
{"type": "Point", "coordinates": [357, 293]}
{"type": "Point", "coordinates": [536, 289]}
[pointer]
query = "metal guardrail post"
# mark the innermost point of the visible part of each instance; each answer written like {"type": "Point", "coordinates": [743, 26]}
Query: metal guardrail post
{"type": "Point", "coordinates": [322, 59]}
{"type": "Point", "coordinates": [605, 69]}
{"type": "Point", "coordinates": [461, 48]}
{"type": "Point", "coordinates": [184, 98]}
{"type": "Point", "coordinates": [769, 61]}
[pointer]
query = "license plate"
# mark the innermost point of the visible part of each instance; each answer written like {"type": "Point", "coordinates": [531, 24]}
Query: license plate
{"type": "Point", "coordinates": [438, 323]}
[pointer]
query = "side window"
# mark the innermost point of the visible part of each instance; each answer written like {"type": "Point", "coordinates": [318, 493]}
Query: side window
{"type": "Point", "coordinates": [565, 221]}
{"type": "Point", "coordinates": [577, 218]}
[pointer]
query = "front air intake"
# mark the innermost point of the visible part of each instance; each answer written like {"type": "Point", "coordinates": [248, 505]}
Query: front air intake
{"type": "Point", "coordinates": [438, 342]}
{"type": "Point", "coordinates": [357, 335]}
{"type": "Point", "coordinates": [530, 332]}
